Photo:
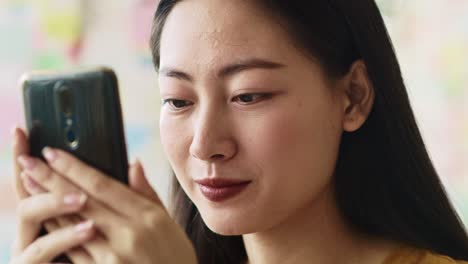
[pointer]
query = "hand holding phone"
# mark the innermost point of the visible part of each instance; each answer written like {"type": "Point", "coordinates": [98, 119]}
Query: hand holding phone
{"type": "Point", "coordinates": [133, 225]}
{"type": "Point", "coordinates": [77, 111]}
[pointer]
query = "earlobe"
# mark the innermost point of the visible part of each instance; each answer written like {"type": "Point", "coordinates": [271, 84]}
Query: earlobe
{"type": "Point", "coordinates": [359, 97]}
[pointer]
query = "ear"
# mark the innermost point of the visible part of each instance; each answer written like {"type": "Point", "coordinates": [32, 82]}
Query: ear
{"type": "Point", "coordinates": [358, 97]}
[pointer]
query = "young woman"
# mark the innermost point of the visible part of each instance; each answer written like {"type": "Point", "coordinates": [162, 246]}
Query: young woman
{"type": "Point", "coordinates": [292, 140]}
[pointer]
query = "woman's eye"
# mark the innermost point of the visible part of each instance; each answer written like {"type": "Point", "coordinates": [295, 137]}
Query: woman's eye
{"type": "Point", "coordinates": [177, 104]}
{"type": "Point", "coordinates": [246, 99]}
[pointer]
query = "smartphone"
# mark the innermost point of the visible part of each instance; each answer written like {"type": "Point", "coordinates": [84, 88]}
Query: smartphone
{"type": "Point", "coordinates": [77, 111]}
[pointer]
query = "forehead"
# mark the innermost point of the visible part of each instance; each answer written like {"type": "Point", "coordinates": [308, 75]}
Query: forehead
{"type": "Point", "coordinates": [207, 32]}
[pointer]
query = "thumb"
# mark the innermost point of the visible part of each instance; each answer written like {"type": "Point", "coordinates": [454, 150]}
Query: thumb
{"type": "Point", "coordinates": [140, 184]}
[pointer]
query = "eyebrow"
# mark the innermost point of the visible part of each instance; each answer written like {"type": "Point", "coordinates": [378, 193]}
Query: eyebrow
{"type": "Point", "coordinates": [226, 71]}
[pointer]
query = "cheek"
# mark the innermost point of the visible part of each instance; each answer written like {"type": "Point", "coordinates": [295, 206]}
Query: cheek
{"type": "Point", "coordinates": [297, 150]}
{"type": "Point", "coordinates": [174, 137]}
{"type": "Point", "coordinates": [300, 137]}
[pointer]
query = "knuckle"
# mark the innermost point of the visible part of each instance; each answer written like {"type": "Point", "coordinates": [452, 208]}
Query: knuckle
{"type": "Point", "coordinates": [98, 185]}
{"type": "Point", "coordinates": [51, 225]}
{"type": "Point", "coordinates": [132, 238]}
{"type": "Point", "coordinates": [67, 168]}
{"type": "Point", "coordinates": [54, 201]}
{"type": "Point", "coordinates": [29, 209]}
{"type": "Point", "coordinates": [49, 174]}
{"type": "Point", "coordinates": [111, 258]}
{"type": "Point", "coordinates": [23, 210]}
{"type": "Point", "coordinates": [36, 250]}
{"type": "Point", "coordinates": [45, 175]}
{"type": "Point", "coordinates": [152, 218]}
{"type": "Point", "coordinates": [78, 255]}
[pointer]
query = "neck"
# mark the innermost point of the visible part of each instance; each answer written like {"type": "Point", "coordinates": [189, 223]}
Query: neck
{"type": "Point", "coordinates": [315, 234]}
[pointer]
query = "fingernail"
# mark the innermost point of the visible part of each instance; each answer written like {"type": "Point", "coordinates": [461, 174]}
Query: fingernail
{"type": "Point", "coordinates": [134, 162]}
{"type": "Point", "coordinates": [27, 162]}
{"type": "Point", "coordinates": [75, 199]}
{"type": "Point", "coordinates": [84, 226]}
{"type": "Point", "coordinates": [49, 154]}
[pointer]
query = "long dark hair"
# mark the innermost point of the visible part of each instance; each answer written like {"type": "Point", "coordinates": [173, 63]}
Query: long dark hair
{"type": "Point", "coordinates": [385, 183]}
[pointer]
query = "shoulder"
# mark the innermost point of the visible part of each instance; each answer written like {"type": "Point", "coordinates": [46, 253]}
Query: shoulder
{"type": "Point", "coordinates": [417, 256]}
{"type": "Point", "coordinates": [439, 259]}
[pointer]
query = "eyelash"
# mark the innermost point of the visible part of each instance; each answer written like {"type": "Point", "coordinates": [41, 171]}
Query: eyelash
{"type": "Point", "coordinates": [262, 96]}
{"type": "Point", "coordinates": [171, 103]}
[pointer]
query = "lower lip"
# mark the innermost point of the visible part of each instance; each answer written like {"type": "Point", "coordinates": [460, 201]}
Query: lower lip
{"type": "Point", "coordinates": [222, 193]}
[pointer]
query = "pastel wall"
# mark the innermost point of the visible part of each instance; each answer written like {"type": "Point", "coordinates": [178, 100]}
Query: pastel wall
{"type": "Point", "coordinates": [431, 41]}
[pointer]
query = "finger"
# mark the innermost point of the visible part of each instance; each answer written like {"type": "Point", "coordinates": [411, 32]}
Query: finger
{"type": "Point", "coordinates": [114, 238]}
{"type": "Point", "coordinates": [40, 207]}
{"type": "Point", "coordinates": [46, 178]}
{"type": "Point", "coordinates": [30, 185]}
{"type": "Point", "coordinates": [98, 185]}
{"type": "Point", "coordinates": [111, 224]}
{"type": "Point", "coordinates": [106, 220]}
{"type": "Point", "coordinates": [77, 255]}
{"type": "Point", "coordinates": [20, 147]}
{"type": "Point", "coordinates": [139, 183]}
{"type": "Point", "coordinates": [51, 225]}
{"type": "Point", "coordinates": [105, 242]}
{"type": "Point", "coordinates": [98, 248]}
{"type": "Point", "coordinates": [34, 210]}
{"type": "Point", "coordinates": [45, 248]}
{"type": "Point", "coordinates": [42, 175]}
{"type": "Point", "coordinates": [34, 188]}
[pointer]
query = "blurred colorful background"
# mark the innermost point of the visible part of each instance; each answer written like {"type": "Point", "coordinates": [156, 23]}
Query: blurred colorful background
{"type": "Point", "coordinates": [431, 40]}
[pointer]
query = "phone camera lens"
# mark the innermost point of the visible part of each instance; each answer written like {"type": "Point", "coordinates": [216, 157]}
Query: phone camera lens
{"type": "Point", "coordinates": [71, 138]}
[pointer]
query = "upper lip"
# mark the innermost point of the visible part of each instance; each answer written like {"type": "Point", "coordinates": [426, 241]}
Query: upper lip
{"type": "Point", "coordinates": [219, 183]}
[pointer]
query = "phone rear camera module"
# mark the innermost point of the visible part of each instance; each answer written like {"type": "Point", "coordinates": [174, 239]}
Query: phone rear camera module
{"type": "Point", "coordinates": [66, 100]}
{"type": "Point", "coordinates": [71, 138]}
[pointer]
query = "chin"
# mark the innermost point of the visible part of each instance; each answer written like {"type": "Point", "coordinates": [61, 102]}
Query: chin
{"type": "Point", "coordinates": [228, 227]}
{"type": "Point", "coordinates": [227, 230]}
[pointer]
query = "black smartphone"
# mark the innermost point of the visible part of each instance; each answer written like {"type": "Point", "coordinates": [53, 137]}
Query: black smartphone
{"type": "Point", "coordinates": [79, 112]}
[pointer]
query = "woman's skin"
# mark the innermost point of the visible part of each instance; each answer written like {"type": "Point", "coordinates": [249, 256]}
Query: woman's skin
{"type": "Point", "coordinates": [282, 134]}
{"type": "Point", "coordinates": [124, 225]}
{"type": "Point", "coordinates": [285, 143]}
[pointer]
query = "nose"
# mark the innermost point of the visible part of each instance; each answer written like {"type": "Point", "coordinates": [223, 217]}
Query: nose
{"type": "Point", "coordinates": [212, 138]}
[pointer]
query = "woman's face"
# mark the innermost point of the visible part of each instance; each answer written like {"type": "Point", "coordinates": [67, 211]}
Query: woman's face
{"type": "Point", "coordinates": [272, 119]}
